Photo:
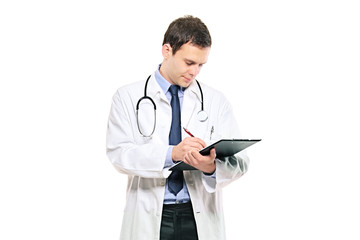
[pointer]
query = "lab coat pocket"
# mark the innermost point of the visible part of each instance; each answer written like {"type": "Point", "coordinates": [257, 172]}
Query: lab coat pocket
{"type": "Point", "coordinates": [212, 135]}
{"type": "Point", "coordinates": [139, 225]}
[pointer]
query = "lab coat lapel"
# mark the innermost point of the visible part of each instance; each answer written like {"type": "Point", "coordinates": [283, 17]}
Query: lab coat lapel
{"type": "Point", "coordinates": [154, 90]}
{"type": "Point", "coordinates": [163, 110]}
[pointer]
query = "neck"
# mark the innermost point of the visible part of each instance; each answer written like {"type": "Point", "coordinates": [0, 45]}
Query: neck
{"type": "Point", "coordinates": [163, 73]}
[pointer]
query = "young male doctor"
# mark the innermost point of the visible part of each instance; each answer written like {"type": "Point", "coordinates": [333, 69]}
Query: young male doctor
{"type": "Point", "coordinates": [144, 143]}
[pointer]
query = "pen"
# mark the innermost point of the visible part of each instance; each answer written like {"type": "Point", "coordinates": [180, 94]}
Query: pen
{"type": "Point", "coordinates": [211, 132]}
{"type": "Point", "coordinates": [188, 132]}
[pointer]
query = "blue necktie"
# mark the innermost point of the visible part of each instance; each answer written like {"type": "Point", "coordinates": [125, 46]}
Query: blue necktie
{"type": "Point", "coordinates": [175, 180]}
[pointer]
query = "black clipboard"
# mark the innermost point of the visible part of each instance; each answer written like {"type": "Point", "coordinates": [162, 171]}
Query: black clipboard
{"type": "Point", "coordinates": [223, 148]}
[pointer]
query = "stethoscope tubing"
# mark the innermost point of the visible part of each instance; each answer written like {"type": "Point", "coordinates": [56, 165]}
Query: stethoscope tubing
{"type": "Point", "coordinates": [201, 112]}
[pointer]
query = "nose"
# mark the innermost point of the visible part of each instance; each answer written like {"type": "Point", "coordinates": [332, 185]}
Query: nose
{"type": "Point", "coordinates": [194, 70]}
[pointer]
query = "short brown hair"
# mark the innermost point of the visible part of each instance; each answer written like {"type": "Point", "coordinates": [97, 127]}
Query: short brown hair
{"type": "Point", "coordinates": [187, 29]}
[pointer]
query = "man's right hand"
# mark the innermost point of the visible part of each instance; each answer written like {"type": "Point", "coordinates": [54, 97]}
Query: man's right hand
{"type": "Point", "coordinates": [185, 146]}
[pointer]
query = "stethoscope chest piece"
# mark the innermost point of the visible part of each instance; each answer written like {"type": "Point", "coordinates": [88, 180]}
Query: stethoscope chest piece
{"type": "Point", "coordinates": [202, 116]}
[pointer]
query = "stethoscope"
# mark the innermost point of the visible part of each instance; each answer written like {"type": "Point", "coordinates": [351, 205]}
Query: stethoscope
{"type": "Point", "coordinates": [201, 115]}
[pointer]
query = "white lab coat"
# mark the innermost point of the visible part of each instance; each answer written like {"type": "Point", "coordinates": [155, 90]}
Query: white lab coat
{"type": "Point", "coordinates": [142, 159]}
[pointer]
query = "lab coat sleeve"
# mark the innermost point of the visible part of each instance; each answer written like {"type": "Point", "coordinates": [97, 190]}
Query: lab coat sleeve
{"type": "Point", "coordinates": [128, 156]}
{"type": "Point", "coordinates": [230, 168]}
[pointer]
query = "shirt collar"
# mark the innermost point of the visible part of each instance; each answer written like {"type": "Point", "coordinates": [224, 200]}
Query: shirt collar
{"type": "Point", "coordinates": [163, 83]}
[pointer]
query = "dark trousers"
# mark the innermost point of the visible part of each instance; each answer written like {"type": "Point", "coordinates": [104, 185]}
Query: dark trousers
{"type": "Point", "coordinates": [178, 222]}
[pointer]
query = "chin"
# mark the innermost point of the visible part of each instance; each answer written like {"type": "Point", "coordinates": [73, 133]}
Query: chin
{"type": "Point", "coordinates": [185, 84]}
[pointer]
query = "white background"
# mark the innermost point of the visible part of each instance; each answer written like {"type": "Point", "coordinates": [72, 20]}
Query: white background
{"type": "Point", "coordinates": [289, 67]}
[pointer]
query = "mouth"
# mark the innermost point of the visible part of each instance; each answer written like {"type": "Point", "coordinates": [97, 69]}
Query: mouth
{"type": "Point", "coordinates": [188, 79]}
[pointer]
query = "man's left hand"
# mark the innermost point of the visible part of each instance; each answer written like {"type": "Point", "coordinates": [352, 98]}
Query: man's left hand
{"type": "Point", "coordinates": [205, 164]}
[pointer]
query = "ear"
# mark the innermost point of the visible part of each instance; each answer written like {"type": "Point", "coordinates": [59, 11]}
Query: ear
{"type": "Point", "coordinates": [166, 50]}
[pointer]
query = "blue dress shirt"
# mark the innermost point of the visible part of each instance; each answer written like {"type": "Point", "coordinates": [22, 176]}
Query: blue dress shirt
{"type": "Point", "coordinates": [182, 196]}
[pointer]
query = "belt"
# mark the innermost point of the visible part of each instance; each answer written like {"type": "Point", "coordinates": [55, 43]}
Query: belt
{"type": "Point", "coordinates": [177, 206]}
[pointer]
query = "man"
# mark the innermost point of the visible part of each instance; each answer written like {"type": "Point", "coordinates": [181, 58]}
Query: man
{"type": "Point", "coordinates": [163, 204]}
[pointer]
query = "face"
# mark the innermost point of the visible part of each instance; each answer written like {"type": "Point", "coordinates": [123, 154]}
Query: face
{"type": "Point", "coordinates": [182, 68]}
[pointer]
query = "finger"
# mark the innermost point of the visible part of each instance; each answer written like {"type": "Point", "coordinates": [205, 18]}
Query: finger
{"type": "Point", "coordinates": [204, 159]}
{"type": "Point", "coordinates": [195, 155]}
{"type": "Point", "coordinates": [196, 143]}
{"type": "Point", "coordinates": [201, 142]}
{"type": "Point", "coordinates": [187, 159]}
{"type": "Point", "coordinates": [191, 159]}
{"type": "Point", "coordinates": [213, 153]}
